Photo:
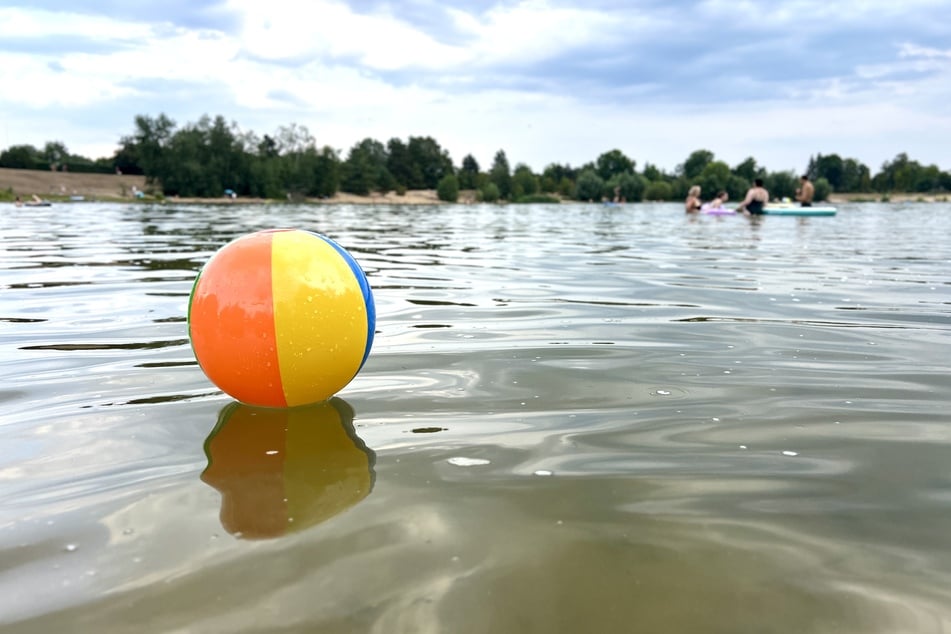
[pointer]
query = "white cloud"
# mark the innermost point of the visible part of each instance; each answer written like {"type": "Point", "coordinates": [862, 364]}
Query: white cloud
{"type": "Point", "coordinates": [288, 30]}
{"type": "Point", "coordinates": [18, 23]}
{"type": "Point", "coordinates": [534, 31]}
{"type": "Point", "coordinates": [913, 50]}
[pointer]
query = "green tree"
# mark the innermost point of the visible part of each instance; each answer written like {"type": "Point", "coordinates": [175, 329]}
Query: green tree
{"type": "Point", "coordinates": [448, 188]}
{"type": "Point", "coordinates": [183, 171]}
{"type": "Point", "coordinates": [293, 145]}
{"type": "Point", "coordinates": [714, 177]}
{"type": "Point", "coordinates": [782, 184]}
{"type": "Point", "coordinates": [829, 167]}
{"type": "Point", "coordinates": [430, 162]}
{"type": "Point", "coordinates": [566, 187]}
{"type": "Point", "coordinates": [326, 168]}
{"type": "Point", "coordinates": [823, 189]}
{"type": "Point", "coordinates": [54, 153]}
{"type": "Point", "coordinates": [365, 169]}
{"type": "Point", "coordinates": [855, 176]}
{"type": "Point", "coordinates": [738, 186]}
{"type": "Point", "coordinates": [654, 174]}
{"type": "Point", "coordinates": [149, 143]}
{"type": "Point", "coordinates": [748, 170]}
{"type": "Point", "coordinates": [126, 159]}
{"type": "Point", "coordinates": [20, 157]}
{"type": "Point", "coordinates": [613, 163]}
{"type": "Point", "coordinates": [658, 190]}
{"type": "Point", "coordinates": [225, 155]}
{"type": "Point", "coordinates": [469, 172]}
{"type": "Point", "coordinates": [205, 158]}
{"type": "Point", "coordinates": [695, 163]}
{"type": "Point", "coordinates": [589, 186]}
{"type": "Point", "coordinates": [524, 181]}
{"type": "Point", "coordinates": [559, 179]}
{"type": "Point", "coordinates": [399, 163]}
{"type": "Point", "coordinates": [558, 172]}
{"type": "Point", "coordinates": [895, 175]}
{"type": "Point", "coordinates": [267, 148]}
{"type": "Point", "coordinates": [928, 179]}
{"type": "Point", "coordinates": [630, 187]}
{"type": "Point", "coordinates": [489, 193]}
{"type": "Point", "coordinates": [264, 179]}
{"type": "Point", "coordinates": [501, 174]}
{"type": "Point", "coordinates": [105, 165]}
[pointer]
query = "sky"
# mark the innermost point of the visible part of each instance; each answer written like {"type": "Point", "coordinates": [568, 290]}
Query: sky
{"type": "Point", "coordinates": [546, 81]}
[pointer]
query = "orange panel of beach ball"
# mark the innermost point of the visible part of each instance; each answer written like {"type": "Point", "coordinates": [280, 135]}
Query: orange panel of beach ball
{"type": "Point", "coordinates": [281, 318]}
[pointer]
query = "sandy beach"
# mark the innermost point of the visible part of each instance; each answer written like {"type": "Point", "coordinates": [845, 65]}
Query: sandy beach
{"type": "Point", "coordinates": [26, 183]}
{"type": "Point", "coordinates": [895, 197]}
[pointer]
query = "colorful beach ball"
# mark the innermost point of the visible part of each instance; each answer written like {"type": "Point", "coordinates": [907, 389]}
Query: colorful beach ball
{"type": "Point", "coordinates": [281, 318]}
{"type": "Point", "coordinates": [283, 470]}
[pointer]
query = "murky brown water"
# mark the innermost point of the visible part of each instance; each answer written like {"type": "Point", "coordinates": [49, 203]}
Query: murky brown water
{"type": "Point", "coordinates": [574, 419]}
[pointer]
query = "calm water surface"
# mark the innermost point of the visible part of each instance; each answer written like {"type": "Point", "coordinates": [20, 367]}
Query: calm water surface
{"type": "Point", "coordinates": [574, 419]}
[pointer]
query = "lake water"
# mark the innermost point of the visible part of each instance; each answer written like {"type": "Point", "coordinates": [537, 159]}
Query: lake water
{"type": "Point", "coordinates": [575, 418]}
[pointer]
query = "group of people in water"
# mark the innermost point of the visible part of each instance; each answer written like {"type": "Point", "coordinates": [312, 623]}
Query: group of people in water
{"type": "Point", "coordinates": [757, 197]}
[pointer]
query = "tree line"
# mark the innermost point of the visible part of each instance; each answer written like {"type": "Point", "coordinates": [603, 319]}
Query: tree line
{"type": "Point", "coordinates": [211, 156]}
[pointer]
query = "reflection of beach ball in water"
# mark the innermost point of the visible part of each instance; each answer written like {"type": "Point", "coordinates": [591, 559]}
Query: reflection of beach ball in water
{"type": "Point", "coordinates": [283, 470]}
{"type": "Point", "coordinates": [281, 318]}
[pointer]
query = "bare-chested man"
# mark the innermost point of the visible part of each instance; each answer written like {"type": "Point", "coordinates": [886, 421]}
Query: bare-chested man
{"type": "Point", "coordinates": [806, 192]}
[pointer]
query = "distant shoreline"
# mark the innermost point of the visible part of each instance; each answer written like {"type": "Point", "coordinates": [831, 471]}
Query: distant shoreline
{"type": "Point", "coordinates": [122, 188]}
{"type": "Point", "coordinates": [894, 197]}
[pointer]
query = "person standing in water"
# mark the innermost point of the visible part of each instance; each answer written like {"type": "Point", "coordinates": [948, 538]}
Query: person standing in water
{"type": "Point", "coordinates": [806, 192]}
{"type": "Point", "coordinates": [693, 203]}
{"type": "Point", "coordinates": [756, 199]}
